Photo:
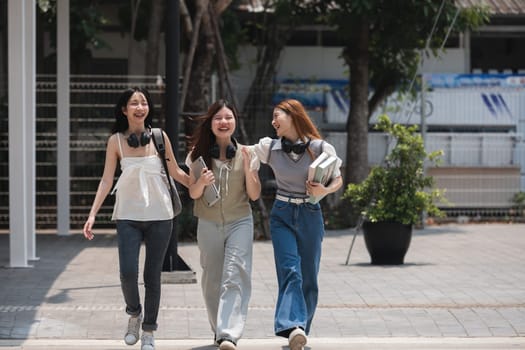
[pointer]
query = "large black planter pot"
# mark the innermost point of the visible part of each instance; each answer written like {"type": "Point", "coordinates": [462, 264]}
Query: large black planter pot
{"type": "Point", "coordinates": [387, 242]}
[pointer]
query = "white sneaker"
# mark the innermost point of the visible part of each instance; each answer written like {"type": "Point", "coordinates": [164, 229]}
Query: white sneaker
{"type": "Point", "coordinates": [227, 345]}
{"type": "Point", "coordinates": [147, 341]}
{"type": "Point", "coordinates": [132, 334]}
{"type": "Point", "coordinates": [297, 339]}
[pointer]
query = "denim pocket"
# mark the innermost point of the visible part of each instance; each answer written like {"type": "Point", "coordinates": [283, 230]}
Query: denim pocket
{"type": "Point", "coordinates": [312, 207]}
{"type": "Point", "coordinates": [279, 205]}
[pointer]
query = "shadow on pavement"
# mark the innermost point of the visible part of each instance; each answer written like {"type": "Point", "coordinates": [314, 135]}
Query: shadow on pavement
{"type": "Point", "coordinates": [25, 290]}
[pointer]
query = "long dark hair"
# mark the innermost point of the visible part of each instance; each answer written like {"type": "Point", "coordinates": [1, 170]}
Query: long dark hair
{"type": "Point", "coordinates": [203, 137]}
{"type": "Point", "coordinates": [121, 121]}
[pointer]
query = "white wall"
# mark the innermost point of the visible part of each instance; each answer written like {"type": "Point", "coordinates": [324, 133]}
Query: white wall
{"type": "Point", "coordinates": [477, 107]}
{"type": "Point", "coordinates": [307, 62]}
{"type": "Point", "coordinates": [326, 63]}
{"type": "Point", "coordinates": [452, 61]}
{"type": "Point", "coordinates": [312, 62]}
{"type": "Point", "coordinates": [119, 49]}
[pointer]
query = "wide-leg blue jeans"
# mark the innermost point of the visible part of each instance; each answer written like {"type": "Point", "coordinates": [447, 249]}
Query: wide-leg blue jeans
{"type": "Point", "coordinates": [297, 233]}
{"type": "Point", "coordinates": [156, 236]}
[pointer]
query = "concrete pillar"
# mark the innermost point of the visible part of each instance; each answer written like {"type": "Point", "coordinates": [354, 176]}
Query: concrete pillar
{"type": "Point", "coordinates": [17, 79]}
{"type": "Point", "coordinates": [30, 131]}
{"type": "Point", "coordinates": [63, 130]}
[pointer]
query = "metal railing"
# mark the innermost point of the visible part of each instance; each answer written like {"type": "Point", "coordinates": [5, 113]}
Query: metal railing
{"type": "Point", "coordinates": [91, 117]}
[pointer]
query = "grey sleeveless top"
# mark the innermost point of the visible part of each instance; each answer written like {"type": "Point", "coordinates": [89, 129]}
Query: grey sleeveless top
{"type": "Point", "coordinates": [290, 174]}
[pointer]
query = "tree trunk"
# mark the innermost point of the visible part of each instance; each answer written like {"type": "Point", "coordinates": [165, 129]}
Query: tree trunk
{"type": "Point", "coordinates": [261, 90]}
{"type": "Point", "coordinates": [357, 58]}
{"type": "Point", "coordinates": [224, 72]}
{"type": "Point", "coordinates": [381, 93]}
{"type": "Point", "coordinates": [152, 48]}
{"type": "Point", "coordinates": [223, 69]}
{"type": "Point", "coordinates": [260, 94]}
{"type": "Point", "coordinates": [198, 96]}
{"type": "Point", "coordinates": [188, 62]}
{"type": "Point", "coordinates": [185, 17]}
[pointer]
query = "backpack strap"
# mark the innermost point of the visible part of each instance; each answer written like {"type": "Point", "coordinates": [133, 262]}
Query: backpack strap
{"type": "Point", "coordinates": [158, 140]}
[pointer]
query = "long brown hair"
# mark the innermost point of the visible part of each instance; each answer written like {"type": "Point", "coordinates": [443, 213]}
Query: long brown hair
{"type": "Point", "coordinates": [301, 120]}
{"type": "Point", "coordinates": [203, 137]}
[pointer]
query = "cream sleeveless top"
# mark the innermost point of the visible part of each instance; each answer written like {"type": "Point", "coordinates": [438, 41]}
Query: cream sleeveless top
{"type": "Point", "coordinates": [142, 192]}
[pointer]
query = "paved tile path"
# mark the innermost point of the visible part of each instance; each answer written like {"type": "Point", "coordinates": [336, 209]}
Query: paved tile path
{"type": "Point", "coordinates": [462, 286]}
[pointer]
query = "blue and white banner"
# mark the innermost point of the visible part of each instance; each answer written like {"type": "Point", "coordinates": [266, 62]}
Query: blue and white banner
{"type": "Point", "coordinates": [447, 81]}
{"type": "Point", "coordinates": [476, 100]}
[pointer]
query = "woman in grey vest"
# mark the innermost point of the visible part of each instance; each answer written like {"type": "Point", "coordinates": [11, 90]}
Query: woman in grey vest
{"type": "Point", "coordinates": [296, 222]}
{"type": "Point", "coordinates": [225, 228]}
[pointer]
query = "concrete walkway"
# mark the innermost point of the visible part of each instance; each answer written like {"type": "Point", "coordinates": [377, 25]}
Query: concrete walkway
{"type": "Point", "coordinates": [461, 287]}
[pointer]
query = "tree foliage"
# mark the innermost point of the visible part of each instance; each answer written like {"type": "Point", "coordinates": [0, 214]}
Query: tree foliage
{"type": "Point", "coordinates": [399, 190]}
{"type": "Point", "coordinates": [399, 33]}
{"type": "Point", "coordinates": [270, 31]}
{"type": "Point", "coordinates": [86, 23]}
{"type": "Point", "coordinates": [384, 41]}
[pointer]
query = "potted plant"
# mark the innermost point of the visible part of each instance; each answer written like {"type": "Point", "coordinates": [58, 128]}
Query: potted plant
{"type": "Point", "coordinates": [394, 195]}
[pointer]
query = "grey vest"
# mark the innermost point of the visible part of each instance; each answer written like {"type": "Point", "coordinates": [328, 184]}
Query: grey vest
{"type": "Point", "coordinates": [291, 175]}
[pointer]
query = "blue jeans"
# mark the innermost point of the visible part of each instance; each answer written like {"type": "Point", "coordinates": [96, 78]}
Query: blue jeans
{"type": "Point", "coordinates": [297, 233]}
{"type": "Point", "coordinates": [156, 236]}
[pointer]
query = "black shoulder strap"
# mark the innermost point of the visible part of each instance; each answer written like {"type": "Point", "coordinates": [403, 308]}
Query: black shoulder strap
{"type": "Point", "coordinates": [158, 140]}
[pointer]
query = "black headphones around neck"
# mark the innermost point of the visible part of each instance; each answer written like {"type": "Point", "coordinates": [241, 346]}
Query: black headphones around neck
{"type": "Point", "coordinates": [231, 149]}
{"type": "Point", "coordinates": [297, 148]}
{"type": "Point", "coordinates": [136, 141]}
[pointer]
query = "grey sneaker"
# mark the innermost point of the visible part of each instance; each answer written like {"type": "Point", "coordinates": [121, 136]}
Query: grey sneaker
{"type": "Point", "coordinates": [147, 341]}
{"type": "Point", "coordinates": [132, 333]}
{"type": "Point", "coordinates": [297, 339]}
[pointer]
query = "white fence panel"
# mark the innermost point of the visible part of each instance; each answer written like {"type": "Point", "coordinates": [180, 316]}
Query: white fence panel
{"type": "Point", "coordinates": [453, 107]}
{"type": "Point", "coordinates": [440, 142]}
{"type": "Point", "coordinates": [477, 187]}
{"type": "Point", "coordinates": [460, 149]}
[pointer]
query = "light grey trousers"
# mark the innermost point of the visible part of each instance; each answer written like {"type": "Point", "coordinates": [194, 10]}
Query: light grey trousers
{"type": "Point", "coordinates": [226, 261]}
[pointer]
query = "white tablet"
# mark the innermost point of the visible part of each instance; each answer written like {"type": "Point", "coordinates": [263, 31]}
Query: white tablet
{"type": "Point", "coordinates": [211, 193]}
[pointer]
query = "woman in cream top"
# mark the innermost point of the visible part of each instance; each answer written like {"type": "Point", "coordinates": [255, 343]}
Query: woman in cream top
{"type": "Point", "coordinates": [142, 211]}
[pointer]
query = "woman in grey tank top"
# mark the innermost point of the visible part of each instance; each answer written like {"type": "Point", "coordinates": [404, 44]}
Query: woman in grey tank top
{"type": "Point", "coordinates": [296, 223]}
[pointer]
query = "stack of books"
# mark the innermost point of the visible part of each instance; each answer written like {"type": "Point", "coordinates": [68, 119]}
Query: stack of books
{"type": "Point", "coordinates": [321, 171]}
